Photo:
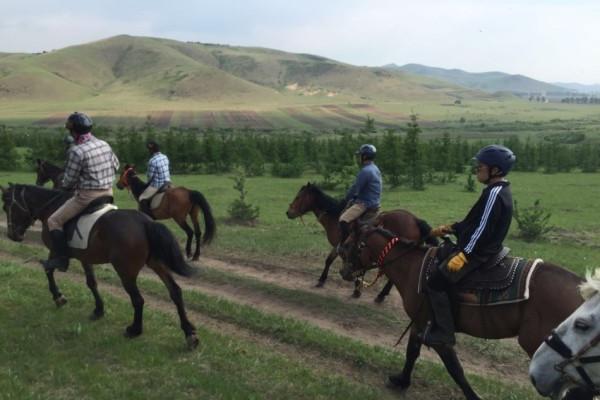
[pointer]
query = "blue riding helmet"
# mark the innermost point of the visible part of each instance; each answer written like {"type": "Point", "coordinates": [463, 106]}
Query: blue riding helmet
{"type": "Point", "coordinates": [79, 122]}
{"type": "Point", "coordinates": [367, 150]}
{"type": "Point", "coordinates": [498, 156]}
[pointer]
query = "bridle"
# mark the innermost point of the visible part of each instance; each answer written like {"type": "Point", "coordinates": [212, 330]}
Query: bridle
{"type": "Point", "coordinates": [14, 202]}
{"type": "Point", "coordinates": [23, 207]}
{"type": "Point", "coordinates": [380, 261]}
{"type": "Point", "coordinates": [577, 360]}
{"type": "Point", "coordinates": [124, 178]}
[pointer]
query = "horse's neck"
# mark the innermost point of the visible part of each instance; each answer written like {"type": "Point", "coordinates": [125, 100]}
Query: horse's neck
{"type": "Point", "coordinates": [44, 202]}
{"type": "Point", "coordinates": [404, 272]}
{"type": "Point", "coordinates": [330, 223]}
{"type": "Point", "coordinates": [137, 186]}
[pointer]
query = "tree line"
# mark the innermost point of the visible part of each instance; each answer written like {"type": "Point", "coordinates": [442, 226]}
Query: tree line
{"type": "Point", "coordinates": [403, 156]}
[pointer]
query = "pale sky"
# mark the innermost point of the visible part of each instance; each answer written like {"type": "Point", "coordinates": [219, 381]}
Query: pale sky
{"type": "Point", "coordinates": [549, 40]}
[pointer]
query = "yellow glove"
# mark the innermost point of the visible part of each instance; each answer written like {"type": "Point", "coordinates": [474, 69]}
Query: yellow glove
{"type": "Point", "coordinates": [457, 262]}
{"type": "Point", "coordinates": [441, 230]}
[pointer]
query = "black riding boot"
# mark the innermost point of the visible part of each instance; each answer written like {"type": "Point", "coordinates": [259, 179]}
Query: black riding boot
{"type": "Point", "coordinates": [441, 331]}
{"type": "Point", "coordinates": [344, 233]}
{"type": "Point", "coordinates": [59, 252]}
{"type": "Point", "coordinates": [145, 207]}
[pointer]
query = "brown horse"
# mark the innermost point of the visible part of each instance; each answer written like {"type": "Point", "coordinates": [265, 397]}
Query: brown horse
{"type": "Point", "coordinates": [553, 296]}
{"type": "Point", "coordinates": [328, 210]}
{"type": "Point", "coordinates": [127, 239]}
{"type": "Point", "coordinates": [47, 171]}
{"type": "Point", "coordinates": [178, 203]}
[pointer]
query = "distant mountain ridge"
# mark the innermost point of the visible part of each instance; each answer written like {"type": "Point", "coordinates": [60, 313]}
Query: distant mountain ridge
{"type": "Point", "coordinates": [579, 87]}
{"type": "Point", "coordinates": [126, 70]}
{"type": "Point", "coordinates": [486, 81]}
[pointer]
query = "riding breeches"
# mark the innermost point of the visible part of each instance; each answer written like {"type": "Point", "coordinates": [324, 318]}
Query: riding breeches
{"type": "Point", "coordinates": [148, 193]}
{"type": "Point", "coordinates": [74, 206]}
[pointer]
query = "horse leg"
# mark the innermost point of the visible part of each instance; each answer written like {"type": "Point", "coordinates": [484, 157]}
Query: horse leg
{"type": "Point", "coordinates": [413, 350]}
{"type": "Point", "coordinates": [330, 258]}
{"type": "Point", "coordinates": [175, 292]}
{"type": "Point", "coordinates": [357, 286]}
{"type": "Point", "coordinates": [452, 364]}
{"type": "Point", "coordinates": [90, 280]}
{"type": "Point", "coordinates": [57, 296]}
{"type": "Point", "coordinates": [197, 232]}
{"type": "Point", "coordinates": [135, 329]}
{"type": "Point", "coordinates": [189, 232]}
{"type": "Point", "coordinates": [384, 292]}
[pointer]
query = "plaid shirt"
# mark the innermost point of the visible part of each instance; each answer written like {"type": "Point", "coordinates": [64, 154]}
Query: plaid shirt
{"type": "Point", "coordinates": [91, 165]}
{"type": "Point", "coordinates": [158, 170]}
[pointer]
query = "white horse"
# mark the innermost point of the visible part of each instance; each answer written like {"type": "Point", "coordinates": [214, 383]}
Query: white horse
{"type": "Point", "coordinates": [567, 364]}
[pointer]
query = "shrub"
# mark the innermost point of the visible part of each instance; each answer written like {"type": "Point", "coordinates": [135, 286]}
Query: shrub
{"type": "Point", "coordinates": [532, 221]}
{"type": "Point", "coordinates": [239, 210]}
{"type": "Point", "coordinates": [470, 185]}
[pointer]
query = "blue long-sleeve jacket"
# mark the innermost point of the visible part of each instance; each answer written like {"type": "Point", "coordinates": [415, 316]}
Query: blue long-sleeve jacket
{"type": "Point", "coordinates": [367, 187]}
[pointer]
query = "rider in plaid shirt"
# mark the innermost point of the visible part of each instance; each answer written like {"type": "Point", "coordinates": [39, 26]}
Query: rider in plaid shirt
{"type": "Point", "coordinates": [89, 171]}
{"type": "Point", "coordinates": [158, 175]}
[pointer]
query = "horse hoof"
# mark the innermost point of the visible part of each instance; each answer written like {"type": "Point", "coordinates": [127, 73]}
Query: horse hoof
{"type": "Point", "coordinates": [379, 299]}
{"type": "Point", "coordinates": [192, 341]}
{"type": "Point", "coordinates": [60, 301]}
{"type": "Point", "coordinates": [131, 333]}
{"type": "Point", "coordinates": [195, 258]}
{"type": "Point", "coordinates": [95, 315]}
{"type": "Point", "coordinates": [356, 294]}
{"type": "Point", "coordinates": [398, 382]}
{"type": "Point", "coordinates": [320, 284]}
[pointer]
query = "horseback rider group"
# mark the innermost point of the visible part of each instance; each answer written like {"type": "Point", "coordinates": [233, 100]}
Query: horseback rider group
{"type": "Point", "coordinates": [90, 171]}
{"type": "Point", "coordinates": [479, 235]}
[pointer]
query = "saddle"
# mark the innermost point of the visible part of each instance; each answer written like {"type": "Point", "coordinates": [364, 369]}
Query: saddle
{"type": "Point", "coordinates": [501, 280]}
{"type": "Point", "coordinates": [78, 228]}
{"type": "Point", "coordinates": [157, 197]}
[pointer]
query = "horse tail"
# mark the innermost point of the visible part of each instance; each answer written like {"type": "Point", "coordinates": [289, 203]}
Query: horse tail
{"type": "Point", "coordinates": [164, 247]}
{"type": "Point", "coordinates": [210, 226]}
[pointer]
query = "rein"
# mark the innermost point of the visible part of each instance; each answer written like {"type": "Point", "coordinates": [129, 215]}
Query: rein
{"type": "Point", "coordinates": [577, 360]}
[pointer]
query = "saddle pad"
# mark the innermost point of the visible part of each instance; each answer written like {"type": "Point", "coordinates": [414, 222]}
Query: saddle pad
{"type": "Point", "coordinates": [78, 236]}
{"type": "Point", "coordinates": [156, 200]}
{"type": "Point", "coordinates": [507, 282]}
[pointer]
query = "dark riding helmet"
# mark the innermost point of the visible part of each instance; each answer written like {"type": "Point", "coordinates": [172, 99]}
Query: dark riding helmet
{"type": "Point", "coordinates": [498, 156]}
{"type": "Point", "coordinates": [79, 122]}
{"type": "Point", "coordinates": [367, 151]}
{"type": "Point", "coordinates": [152, 146]}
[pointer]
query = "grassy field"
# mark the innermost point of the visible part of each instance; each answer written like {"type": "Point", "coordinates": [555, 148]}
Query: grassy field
{"type": "Point", "coordinates": [571, 198]}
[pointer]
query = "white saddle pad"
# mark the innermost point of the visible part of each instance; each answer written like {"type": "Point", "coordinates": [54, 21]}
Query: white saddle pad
{"type": "Point", "coordinates": [85, 225]}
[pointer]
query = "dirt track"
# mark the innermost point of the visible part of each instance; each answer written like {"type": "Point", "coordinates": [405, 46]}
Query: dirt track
{"type": "Point", "coordinates": [296, 279]}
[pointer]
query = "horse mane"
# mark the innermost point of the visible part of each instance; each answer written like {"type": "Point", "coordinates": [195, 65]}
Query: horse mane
{"type": "Point", "coordinates": [327, 203]}
{"type": "Point", "coordinates": [591, 286]}
{"type": "Point", "coordinates": [51, 167]}
{"type": "Point", "coordinates": [43, 191]}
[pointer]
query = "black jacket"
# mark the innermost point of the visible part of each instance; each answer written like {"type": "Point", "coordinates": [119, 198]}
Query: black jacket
{"type": "Point", "coordinates": [484, 228]}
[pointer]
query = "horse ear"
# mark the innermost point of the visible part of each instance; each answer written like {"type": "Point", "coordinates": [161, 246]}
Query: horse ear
{"type": "Point", "coordinates": [38, 161]}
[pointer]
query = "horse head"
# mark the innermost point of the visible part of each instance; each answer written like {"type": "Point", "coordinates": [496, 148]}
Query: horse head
{"type": "Point", "coordinates": [18, 215]}
{"type": "Point", "coordinates": [128, 172]}
{"type": "Point", "coordinates": [302, 203]}
{"type": "Point", "coordinates": [367, 248]}
{"type": "Point", "coordinates": [42, 176]}
{"type": "Point", "coordinates": [570, 357]}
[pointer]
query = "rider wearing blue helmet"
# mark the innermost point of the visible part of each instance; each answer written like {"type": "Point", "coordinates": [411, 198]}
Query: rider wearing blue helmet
{"type": "Point", "coordinates": [364, 196]}
{"type": "Point", "coordinates": [479, 237]}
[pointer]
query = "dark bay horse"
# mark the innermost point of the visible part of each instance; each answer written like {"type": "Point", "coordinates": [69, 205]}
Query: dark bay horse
{"type": "Point", "coordinates": [47, 171]}
{"type": "Point", "coordinates": [127, 239]}
{"type": "Point", "coordinates": [311, 198]}
{"type": "Point", "coordinates": [178, 203]}
{"type": "Point", "coordinates": [554, 295]}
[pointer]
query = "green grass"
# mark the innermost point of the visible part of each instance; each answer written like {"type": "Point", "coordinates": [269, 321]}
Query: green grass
{"type": "Point", "coordinates": [571, 198]}
{"type": "Point", "coordinates": [68, 359]}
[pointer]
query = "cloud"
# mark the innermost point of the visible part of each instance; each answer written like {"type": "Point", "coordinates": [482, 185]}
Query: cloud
{"type": "Point", "coordinates": [546, 39]}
